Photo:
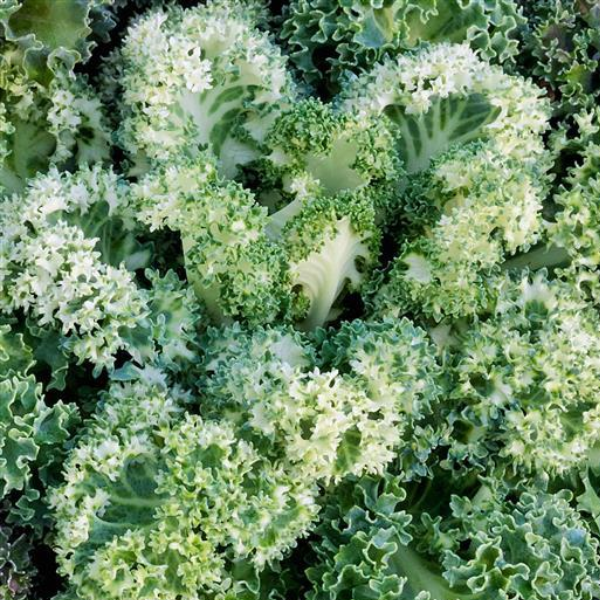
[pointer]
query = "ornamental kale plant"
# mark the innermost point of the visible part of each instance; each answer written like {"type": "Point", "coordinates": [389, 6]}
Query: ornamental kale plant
{"type": "Point", "coordinates": [299, 301]}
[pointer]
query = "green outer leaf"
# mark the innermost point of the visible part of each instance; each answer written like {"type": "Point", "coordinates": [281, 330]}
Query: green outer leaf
{"type": "Point", "coordinates": [53, 32]}
{"type": "Point", "coordinates": [326, 38]}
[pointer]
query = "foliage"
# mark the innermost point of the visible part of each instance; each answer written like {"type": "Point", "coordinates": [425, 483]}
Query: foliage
{"type": "Point", "coordinates": [299, 302]}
